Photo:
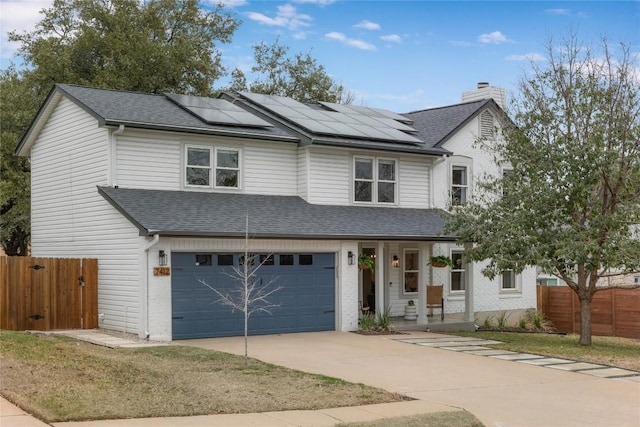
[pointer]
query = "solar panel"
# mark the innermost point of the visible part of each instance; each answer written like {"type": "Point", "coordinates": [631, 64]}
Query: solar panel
{"type": "Point", "coordinates": [217, 111]}
{"type": "Point", "coordinates": [340, 120]}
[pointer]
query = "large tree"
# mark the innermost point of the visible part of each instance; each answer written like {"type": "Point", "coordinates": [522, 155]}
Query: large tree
{"type": "Point", "coordinates": [17, 107]}
{"type": "Point", "coordinates": [571, 203]}
{"type": "Point", "coordinates": [150, 46]}
{"type": "Point", "coordinates": [299, 76]}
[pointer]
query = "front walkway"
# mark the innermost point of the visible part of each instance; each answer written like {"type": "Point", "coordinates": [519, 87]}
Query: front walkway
{"type": "Point", "coordinates": [478, 347]}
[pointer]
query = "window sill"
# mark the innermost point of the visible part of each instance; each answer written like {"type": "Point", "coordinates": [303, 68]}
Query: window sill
{"type": "Point", "coordinates": [458, 296]}
{"type": "Point", "coordinates": [515, 293]}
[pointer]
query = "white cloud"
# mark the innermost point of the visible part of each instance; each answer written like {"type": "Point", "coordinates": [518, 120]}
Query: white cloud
{"type": "Point", "coordinates": [557, 11]}
{"type": "Point", "coordinates": [358, 44]}
{"type": "Point", "coordinates": [495, 37]}
{"type": "Point", "coordinates": [286, 17]}
{"type": "Point", "coordinates": [462, 43]}
{"type": "Point", "coordinates": [21, 16]}
{"type": "Point", "coordinates": [526, 57]}
{"type": "Point", "coordinates": [367, 25]}
{"type": "Point", "coordinates": [394, 38]}
{"type": "Point", "coordinates": [334, 35]}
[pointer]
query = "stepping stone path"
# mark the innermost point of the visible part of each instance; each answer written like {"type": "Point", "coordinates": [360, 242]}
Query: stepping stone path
{"type": "Point", "coordinates": [477, 346]}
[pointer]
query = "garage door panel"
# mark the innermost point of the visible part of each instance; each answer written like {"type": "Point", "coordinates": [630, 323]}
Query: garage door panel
{"type": "Point", "coordinates": [306, 301]}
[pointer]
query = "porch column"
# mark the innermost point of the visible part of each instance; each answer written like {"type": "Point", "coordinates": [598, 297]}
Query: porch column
{"type": "Point", "coordinates": [423, 277]}
{"type": "Point", "coordinates": [347, 296]}
{"type": "Point", "coordinates": [380, 288]}
{"type": "Point", "coordinates": [469, 314]}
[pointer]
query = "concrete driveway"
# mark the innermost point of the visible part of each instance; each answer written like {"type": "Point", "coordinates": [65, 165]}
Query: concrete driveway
{"type": "Point", "coordinates": [498, 392]}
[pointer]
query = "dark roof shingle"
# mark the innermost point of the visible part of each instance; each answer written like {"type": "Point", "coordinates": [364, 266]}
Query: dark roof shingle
{"type": "Point", "coordinates": [183, 213]}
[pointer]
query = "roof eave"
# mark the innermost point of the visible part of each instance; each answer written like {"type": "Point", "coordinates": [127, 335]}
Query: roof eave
{"type": "Point", "coordinates": [241, 235]}
{"type": "Point", "coordinates": [202, 131]}
{"type": "Point", "coordinates": [437, 151]}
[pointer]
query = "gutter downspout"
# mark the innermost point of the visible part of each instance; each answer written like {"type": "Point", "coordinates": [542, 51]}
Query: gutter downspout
{"type": "Point", "coordinates": [113, 157]}
{"type": "Point", "coordinates": [145, 283]}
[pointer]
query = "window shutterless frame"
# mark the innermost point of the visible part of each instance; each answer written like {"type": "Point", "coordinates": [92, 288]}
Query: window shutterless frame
{"type": "Point", "coordinates": [375, 180]}
{"type": "Point", "coordinates": [198, 165]}
{"type": "Point", "coordinates": [227, 168]}
{"type": "Point", "coordinates": [459, 185]}
{"type": "Point", "coordinates": [457, 282]}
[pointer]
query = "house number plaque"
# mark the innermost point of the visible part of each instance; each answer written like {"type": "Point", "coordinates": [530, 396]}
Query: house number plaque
{"type": "Point", "coordinates": [162, 271]}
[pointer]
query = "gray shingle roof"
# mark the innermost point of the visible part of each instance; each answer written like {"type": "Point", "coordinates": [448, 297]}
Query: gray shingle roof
{"type": "Point", "coordinates": [149, 111]}
{"type": "Point", "coordinates": [435, 125]}
{"type": "Point", "coordinates": [182, 213]}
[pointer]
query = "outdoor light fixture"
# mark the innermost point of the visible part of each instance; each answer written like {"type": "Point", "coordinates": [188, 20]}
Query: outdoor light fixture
{"type": "Point", "coordinates": [395, 263]}
{"type": "Point", "coordinates": [350, 257]}
{"type": "Point", "coordinates": [162, 258]}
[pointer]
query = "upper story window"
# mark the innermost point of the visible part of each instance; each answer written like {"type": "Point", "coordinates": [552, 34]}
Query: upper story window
{"type": "Point", "coordinates": [209, 167]}
{"type": "Point", "coordinates": [375, 180]}
{"type": "Point", "coordinates": [227, 168]}
{"type": "Point", "coordinates": [459, 185]}
{"type": "Point", "coordinates": [457, 272]}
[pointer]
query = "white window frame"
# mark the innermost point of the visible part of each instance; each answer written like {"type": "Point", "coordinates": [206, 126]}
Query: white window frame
{"type": "Point", "coordinates": [212, 168]}
{"type": "Point", "coordinates": [457, 269]}
{"type": "Point", "coordinates": [464, 187]}
{"type": "Point", "coordinates": [216, 168]}
{"type": "Point", "coordinates": [405, 270]}
{"type": "Point", "coordinates": [375, 180]}
{"type": "Point", "coordinates": [187, 147]}
{"type": "Point", "coordinates": [372, 180]}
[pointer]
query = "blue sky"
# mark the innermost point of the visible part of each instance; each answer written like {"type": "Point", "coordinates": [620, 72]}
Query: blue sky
{"type": "Point", "coordinates": [406, 55]}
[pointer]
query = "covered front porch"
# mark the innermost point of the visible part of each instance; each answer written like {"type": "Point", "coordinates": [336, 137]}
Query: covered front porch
{"type": "Point", "coordinates": [403, 275]}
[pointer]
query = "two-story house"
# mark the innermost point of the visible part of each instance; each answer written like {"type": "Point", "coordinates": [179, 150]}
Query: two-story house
{"type": "Point", "coordinates": [159, 188]}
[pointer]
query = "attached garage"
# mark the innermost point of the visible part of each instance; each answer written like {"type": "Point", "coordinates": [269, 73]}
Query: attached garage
{"type": "Point", "coordinates": [305, 302]}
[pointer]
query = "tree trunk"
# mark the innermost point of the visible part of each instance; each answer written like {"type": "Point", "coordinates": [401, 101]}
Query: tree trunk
{"type": "Point", "coordinates": [585, 319]}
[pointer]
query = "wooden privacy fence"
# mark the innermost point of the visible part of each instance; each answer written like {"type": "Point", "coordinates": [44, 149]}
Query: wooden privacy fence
{"type": "Point", "coordinates": [48, 293]}
{"type": "Point", "coordinates": [614, 312]}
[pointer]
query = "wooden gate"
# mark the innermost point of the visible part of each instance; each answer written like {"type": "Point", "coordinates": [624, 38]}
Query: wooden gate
{"type": "Point", "coordinates": [48, 293]}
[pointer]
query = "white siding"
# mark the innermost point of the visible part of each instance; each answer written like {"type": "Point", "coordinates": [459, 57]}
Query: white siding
{"type": "Point", "coordinates": [270, 168]}
{"type": "Point", "coordinates": [150, 161]}
{"type": "Point", "coordinates": [70, 218]}
{"type": "Point", "coordinates": [303, 168]}
{"type": "Point", "coordinates": [329, 177]}
{"type": "Point", "coordinates": [154, 160]}
{"type": "Point", "coordinates": [413, 182]}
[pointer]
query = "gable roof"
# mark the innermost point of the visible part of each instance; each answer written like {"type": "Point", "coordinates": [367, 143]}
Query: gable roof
{"type": "Point", "coordinates": [182, 213]}
{"type": "Point", "coordinates": [140, 110]}
{"type": "Point", "coordinates": [418, 132]}
{"type": "Point", "coordinates": [437, 125]}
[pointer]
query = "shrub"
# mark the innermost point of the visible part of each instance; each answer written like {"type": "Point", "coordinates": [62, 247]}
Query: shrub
{"type": "Point", "coordinates": [502, 320]}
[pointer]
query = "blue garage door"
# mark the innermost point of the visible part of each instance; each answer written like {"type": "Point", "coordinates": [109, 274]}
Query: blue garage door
{"type": "Point", "coordinates": [305, 302]}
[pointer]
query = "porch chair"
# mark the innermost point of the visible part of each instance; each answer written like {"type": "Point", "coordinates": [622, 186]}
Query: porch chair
{"type": "Point", "coordinates": [364, 308]}
{"type": "Point", "coordinates": [435, 299]}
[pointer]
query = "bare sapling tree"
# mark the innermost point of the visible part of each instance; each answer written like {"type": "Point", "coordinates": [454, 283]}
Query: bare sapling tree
{"type": "Point", "coordinates": [252, 294]}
